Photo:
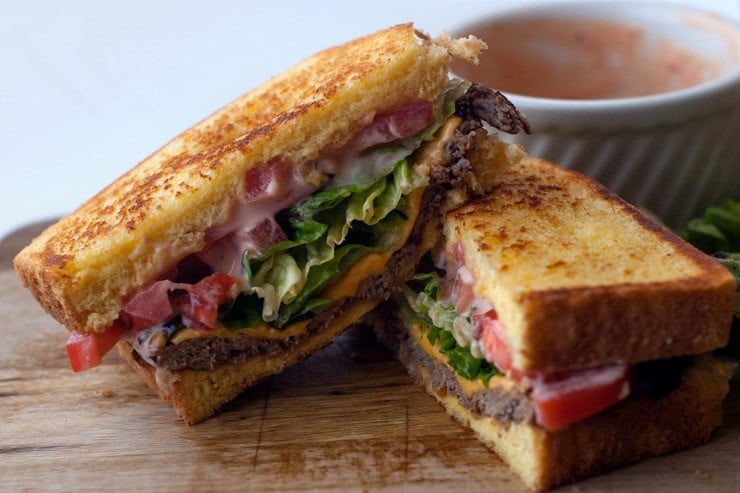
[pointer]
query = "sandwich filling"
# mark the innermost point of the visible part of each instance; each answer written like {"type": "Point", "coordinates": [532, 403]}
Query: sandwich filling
{"type": "Point", "coordinates": [458, 339]}
{"type": "Point", "coordinates": [302, 238]}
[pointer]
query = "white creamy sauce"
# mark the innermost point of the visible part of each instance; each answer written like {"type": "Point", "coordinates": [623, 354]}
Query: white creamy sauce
{"type": "Point", "coordinates": [235, 237]}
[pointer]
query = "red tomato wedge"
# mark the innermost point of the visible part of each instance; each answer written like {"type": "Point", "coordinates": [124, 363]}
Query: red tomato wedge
{"type": "Point", "coordinates": [462, 290]}
{"type": "Point", "coordinates": [199, 307]}
{"type": "Point", "coordinates": [492, 340]}
{"type": "Point", "coordinates": [87, 350]}
{"type": "Point", "coordinates": [397, 124]}
{"type": "Point", "coordinates": [580, 395]}
{"type": "Point", "coordinates": [198, 303]}
{"type": "Point", "coordinates": [207, 295]}
{"type": "Point", "coordinates": [267, 181]}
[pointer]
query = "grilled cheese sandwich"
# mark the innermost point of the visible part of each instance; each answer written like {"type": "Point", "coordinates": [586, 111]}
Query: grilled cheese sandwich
{"type": "Point", "coordinates": [253, 238]}
{"type": "Point", "coordinates": [556, 318]}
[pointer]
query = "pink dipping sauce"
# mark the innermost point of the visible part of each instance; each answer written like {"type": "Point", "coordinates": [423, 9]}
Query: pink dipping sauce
{"type": "Point", "coordinates": [582, 59]}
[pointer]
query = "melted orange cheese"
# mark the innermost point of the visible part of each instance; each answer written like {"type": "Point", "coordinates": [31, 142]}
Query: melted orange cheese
{"type": "Point", "coordinates": [345, 286]}
{"type": "Point", "coordinates": [469, 387]}
{"type": "Point", "coordinates": [372, 263]}
{"type": "Point", "coordinates": [263, 331]}
{"type": "Point", "coordinates": [432, 153]}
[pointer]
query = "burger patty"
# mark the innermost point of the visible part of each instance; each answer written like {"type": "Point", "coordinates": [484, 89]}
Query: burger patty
{"type": "Point", "coordinates": [504, 405]}
{"type": "Point", "coordinates": [478, 104]}
{"type": "Point", "coordinates": [651, 379]}
{"type": "Point", "coordinates": [481, 104]}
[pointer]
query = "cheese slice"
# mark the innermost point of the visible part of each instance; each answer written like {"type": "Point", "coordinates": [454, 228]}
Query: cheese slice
{"type": "Point", "coordinates": [468, 387]}
{"type": "Point", "coordinates": [373, 263]}
{"type": "Point", "coordinates": [263, 331]}
{"type": "Point", "coordinates": [345, 286]}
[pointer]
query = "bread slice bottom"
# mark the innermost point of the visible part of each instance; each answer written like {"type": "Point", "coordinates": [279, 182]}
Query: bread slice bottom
{"type": "Point", "coordinates": [197, 394]}
{"type": "Point", "coordinates": [632, 430]}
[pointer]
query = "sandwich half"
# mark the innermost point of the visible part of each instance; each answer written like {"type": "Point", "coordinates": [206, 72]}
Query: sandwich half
{"type": "Point", "coordinates": [250, 240]}
{"type": "Point", "coordinates": [566, 329]}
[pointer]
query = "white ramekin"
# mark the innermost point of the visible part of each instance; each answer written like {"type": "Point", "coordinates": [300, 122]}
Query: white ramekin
{"type": "Point", "coordinates": [673, 153]}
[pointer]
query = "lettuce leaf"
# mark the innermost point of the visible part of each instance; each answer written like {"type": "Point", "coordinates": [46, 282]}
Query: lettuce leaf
{"type": "Point", "coordinates": [328, 232]}
{"type": "Point", "coordinates": [360, 211]}
{"type": "Point", "coordinates": [291, 272]}
{"type": "Point", "coordinates": [731, 261]}
{"type": "Point", "coordinates": [317, 279]}
{"type": "Point", "coordinates": [718, 230]}
{"type": "Point", "coordinates": [368, 166]}
{"type": "Point", "coordinates": [717, 233]}
{"type": "Point", "coordinates": [279, 280]}
{"type": "Point", "coordinates": [420, 304]}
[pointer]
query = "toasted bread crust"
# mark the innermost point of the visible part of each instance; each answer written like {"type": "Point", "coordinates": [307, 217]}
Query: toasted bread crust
{"type": "Point", "coordinates": [197, 394]}
{"type": "Point", "coordinates": [627, 433]}
{"type": "Point", "coordinates": [83, 268]}
{"type": "Point", "coordinates": [579, 277]}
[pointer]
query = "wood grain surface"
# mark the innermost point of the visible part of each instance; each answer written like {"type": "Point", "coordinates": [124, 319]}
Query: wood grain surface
{"type": "Point", "coordinates": [347, 418]}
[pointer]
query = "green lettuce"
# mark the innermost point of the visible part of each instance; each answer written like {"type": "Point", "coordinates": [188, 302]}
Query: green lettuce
{"type": "Point", "coordinates": [362, 210]}
{"type": "Point", "coordinates": [731, 261]}
{"type": "Point", "coordinates": [718, 230]}
{"type": "Point", "coordinates": [717, 233]}
{"type": "Point", "coordinates": [327, 233]}
{"type": "Point", "coordinates": [330, 231]}
{"type": "Point", "coordinates": [420, 304]}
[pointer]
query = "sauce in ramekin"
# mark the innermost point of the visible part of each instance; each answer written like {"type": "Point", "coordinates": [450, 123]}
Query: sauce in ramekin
{"type": "Point", "coordinates": [583, 59]}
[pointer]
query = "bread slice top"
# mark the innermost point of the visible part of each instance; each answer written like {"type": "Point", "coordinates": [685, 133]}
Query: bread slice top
{"type": "Point", "coordinates": [579, 277]}
{"type": "Point", "coordinates": [82, 268]}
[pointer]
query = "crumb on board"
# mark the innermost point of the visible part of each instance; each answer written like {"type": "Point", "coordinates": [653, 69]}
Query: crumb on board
{"type": "Point", "coordinates": [701, 474]}
{"type": "Point", "coordinates": [106, 393]}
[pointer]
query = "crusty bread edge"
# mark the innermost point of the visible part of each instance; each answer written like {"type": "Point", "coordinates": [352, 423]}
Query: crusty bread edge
{"type": "Point", "coordinates": [87, 298]}
{"type": "Point", "coordinates": [196, 395]}
{"type": "Point", "coordinates": [589, 325]}
{"type": "Point", "coordinates": [633, 430]}
{"type": "Point", "coordinates": [705, 302]}
{"type": "Point", "coordinates": [615, 323]}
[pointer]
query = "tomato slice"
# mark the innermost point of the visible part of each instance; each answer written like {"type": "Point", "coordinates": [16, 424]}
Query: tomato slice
{"type": "Point", "coordinates": [87, 350]}
{"type": "Point", "coordinates": [580, 395]}
{"type": "Point", "coordinates": [492, 340]}
{"type": "Point", "coordinates": [207, 295]}
{"type": "Point", "coordinates": [462, 290]}
{"type": "Point", "coordinates": [397, 124]}
{"type": "Point", "coordinates": [266, 181]}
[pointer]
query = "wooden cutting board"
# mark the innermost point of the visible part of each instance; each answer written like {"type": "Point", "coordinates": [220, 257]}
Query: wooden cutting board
{"type": "Point", "coordinates": [347, 418]}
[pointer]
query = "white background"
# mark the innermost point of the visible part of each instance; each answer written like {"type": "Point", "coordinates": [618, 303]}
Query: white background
{"type": "Point", "coordinates": [89, 88]}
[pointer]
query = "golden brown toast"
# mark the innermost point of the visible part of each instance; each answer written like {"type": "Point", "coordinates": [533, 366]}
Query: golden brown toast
{"type": "Point", "coordinates": [634, 429]}
{"type": "Point", "coordinates": [84, 267]}
{"type": "Point", "coordinates": [680, 409]}
{"type": "Point", "coordinates": [197, 394]}
{"type": "Point", "coordinates": [578, 276]}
